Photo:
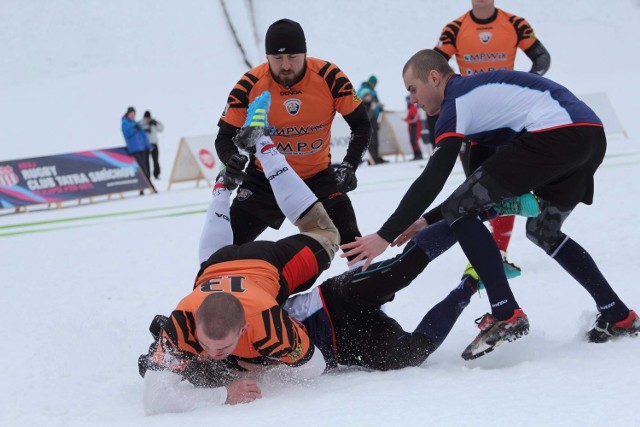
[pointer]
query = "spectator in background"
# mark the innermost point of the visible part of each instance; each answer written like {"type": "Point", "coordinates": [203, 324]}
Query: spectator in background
{"type": "Point", "coordinates": [137, 142]}
{"type": "Point", "coordinates": [151, 127]}
{"type": "Point", "coordinates": [495, 36]}
{"type": "Point", "coordinates": [424, 133]}
{"type": "Point", "coordinates": [369, 96]}
{"type": "Point", "coordinates": [415, 128]}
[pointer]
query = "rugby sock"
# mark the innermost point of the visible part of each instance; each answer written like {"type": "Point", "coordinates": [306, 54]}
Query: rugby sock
{"type": "Point", "coordinates": [292, 194]}
{"type": "Point", "coordinates": [481, 251]}
{"type": "Point", "coordinates": [437, 323]}
{"type": "Point", "coordinates": [502, 227]}
{"type": "Point", "coordinates": [216, 232]}
{"type": "Point", "coordinates": [579, 264]}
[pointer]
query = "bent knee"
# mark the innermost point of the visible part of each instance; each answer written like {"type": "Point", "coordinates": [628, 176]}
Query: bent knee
{"type": "Point", "coordinates": [544, 235]}
{"type": "Point", "coordinates": [317, 224]}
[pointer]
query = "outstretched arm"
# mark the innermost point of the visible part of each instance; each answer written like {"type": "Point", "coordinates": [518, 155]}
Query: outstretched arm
{"type": "Point", "coordinates": [419, 196]}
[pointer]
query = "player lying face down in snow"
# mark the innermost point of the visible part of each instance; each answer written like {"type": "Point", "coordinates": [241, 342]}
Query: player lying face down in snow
{"type": "Point", "coordinates": [233, 320]}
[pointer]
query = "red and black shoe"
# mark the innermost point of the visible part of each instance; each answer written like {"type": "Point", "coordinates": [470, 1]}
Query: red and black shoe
{"type": "Point", "coordinates": [494, 332]}
{"type": "Point", "coordinates": [603, 331]}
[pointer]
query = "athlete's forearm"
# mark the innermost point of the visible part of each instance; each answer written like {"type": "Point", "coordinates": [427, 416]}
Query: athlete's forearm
{"type": "Point", "coordinates": [361, 130]}
{"type": "Point", "coordinates": [540, 58]}
{"type": "Point", "coordinates": [424, 189]}
{"type": "Point", "coordinates": [224, 141]}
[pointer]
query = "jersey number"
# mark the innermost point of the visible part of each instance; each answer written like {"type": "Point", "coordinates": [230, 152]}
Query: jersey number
{"type": "Point", "coordinates": [222, 284]}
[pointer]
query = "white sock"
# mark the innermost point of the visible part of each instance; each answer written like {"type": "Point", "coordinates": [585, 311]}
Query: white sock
{"type": "Point", "coordinates": [291, 192]}
{"type": "Point", "coordinates": [216, 232]}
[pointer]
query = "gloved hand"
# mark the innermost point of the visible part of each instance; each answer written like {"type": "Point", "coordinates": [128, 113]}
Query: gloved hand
{"type": "Point", "coordinates": [346, 177]}
{"type": "Point", "coordinates": [234, 171]}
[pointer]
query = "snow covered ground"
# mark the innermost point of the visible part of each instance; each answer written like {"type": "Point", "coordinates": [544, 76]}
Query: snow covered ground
{"type": "Point", "coordinates": [80, 285]}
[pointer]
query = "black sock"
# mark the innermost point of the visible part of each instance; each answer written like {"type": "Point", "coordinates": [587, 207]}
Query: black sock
{"type": "Point", "coordinates": [579, 264]}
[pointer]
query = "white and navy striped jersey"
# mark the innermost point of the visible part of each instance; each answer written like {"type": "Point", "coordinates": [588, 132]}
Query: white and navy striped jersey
{"type": "Point", "coordinates": [493, 108]}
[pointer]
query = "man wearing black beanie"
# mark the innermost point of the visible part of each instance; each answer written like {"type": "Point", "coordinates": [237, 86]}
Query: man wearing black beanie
{"type": "Point", "coordinates": [306, 93]}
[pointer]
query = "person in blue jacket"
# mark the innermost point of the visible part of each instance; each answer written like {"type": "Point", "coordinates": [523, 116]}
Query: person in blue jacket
{"type": "Point", "coordinates": [369, 96]}
{"type": "Point", "coordinates": [138, 144]}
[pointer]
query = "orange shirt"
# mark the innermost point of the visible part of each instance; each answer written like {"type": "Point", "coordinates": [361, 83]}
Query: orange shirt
{"type": "Point", "coordinates": [302, 114]}
{"type": "Point", "coordinates": [487, 45]}
{"type": "Point", "coordinates": [271, 333]}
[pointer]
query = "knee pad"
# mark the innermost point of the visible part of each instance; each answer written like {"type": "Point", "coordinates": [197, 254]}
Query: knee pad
{"type": "Point", "coordinates": [545, 234]}
{"type": "Point", "coordinates": [317, 224]}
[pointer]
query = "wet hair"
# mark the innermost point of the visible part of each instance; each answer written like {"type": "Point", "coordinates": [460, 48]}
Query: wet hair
{"type": "Point", "coordinates": [426, 60]}
{"type": "Point", "coordinates": [220, 314]}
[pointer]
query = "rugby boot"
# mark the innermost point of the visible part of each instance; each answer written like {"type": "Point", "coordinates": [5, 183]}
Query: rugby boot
{"type": "Point", "coordinates": [256, 124]}
{"type": "Point", "coordinates": [494, 332]}
{"type": "Point", "coordinates": [511, 271]}
{"type": "Point", "coordinates": [524, 205]}
{"type": "Point", "coordinates": [603, 331]}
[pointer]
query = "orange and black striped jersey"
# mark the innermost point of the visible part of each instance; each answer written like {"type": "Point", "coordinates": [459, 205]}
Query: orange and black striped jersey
{"type": "Point", "coordinates": [485, 45]}
{"type": "Point", "coordinates": [302, 114]}
{"type": "Point", "coordinates": [271, 337]}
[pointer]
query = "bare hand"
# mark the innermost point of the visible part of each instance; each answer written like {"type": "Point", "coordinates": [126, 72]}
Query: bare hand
{"type": "Point", "coordinates": [242, 391]}
{"type": "Point", "coordinates": [367, 247]}
{"type": "Point", "coordinates": [419, 225]}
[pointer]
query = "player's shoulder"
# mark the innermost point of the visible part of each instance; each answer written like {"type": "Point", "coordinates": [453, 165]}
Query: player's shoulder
{"type": "Point", "coordinates": [256, 74]}
{"type": "Point", "coordinates": [459, 21]}
{"type": "Point", "coordinates": [321, 67]}
{"type": "Point", "coordinates": [515, 20]}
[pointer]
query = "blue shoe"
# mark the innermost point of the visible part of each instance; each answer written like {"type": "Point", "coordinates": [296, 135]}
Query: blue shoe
{"type": "Point", "coordinates": [256, 124]}
{"type": "Point", "coordinates": [523, 205]}
{"type": "Point", "coordinates": [258, 111]}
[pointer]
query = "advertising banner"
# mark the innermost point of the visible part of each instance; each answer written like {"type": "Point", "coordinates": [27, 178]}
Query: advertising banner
{"type": "Point", "coordinates": [60, 178]}
{"type": "Point", "coordinates": [195, 160]}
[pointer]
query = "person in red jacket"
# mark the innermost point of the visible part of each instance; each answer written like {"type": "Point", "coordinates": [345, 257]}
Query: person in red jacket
{"type": "Point", "coordinates": [415, 129]}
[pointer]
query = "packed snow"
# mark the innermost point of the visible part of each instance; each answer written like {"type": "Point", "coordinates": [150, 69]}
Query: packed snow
{"type": "Point", "coordinates": [80, 285]}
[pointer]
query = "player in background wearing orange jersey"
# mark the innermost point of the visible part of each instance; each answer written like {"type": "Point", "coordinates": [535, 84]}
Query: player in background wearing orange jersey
{"type": "Point", "coordinates": [487, 39]}
{"type": "Point", "coordinates": [234, 314]}
{"type": "Point", "coordinates": [306, 95]}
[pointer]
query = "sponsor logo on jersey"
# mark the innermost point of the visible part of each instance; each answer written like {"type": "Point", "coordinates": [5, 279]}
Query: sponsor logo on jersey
{"type": "Point", "coordinates": [244, 194]}
{"type": "Point", "coordinates": [299, 130]}
{"type": "Point", "coordinates": [300, 148]}
{"type": "Point", "coordinates": [296, 352]}
{"type": "Point", "coordinates": [485, 57]}
{"type": "Point", "coordinates": [226, 108]}
{"type": "Point", "coordinates": [292, 105]}
{"type": "Point", "coordinates": [290, 92]}
{"type": "Point", "coordinates": [356, 98]}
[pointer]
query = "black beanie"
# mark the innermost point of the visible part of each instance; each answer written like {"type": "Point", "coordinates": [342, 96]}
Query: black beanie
{"type": "Point", "coordinates": [285, 36]}
{"type": "Point", "coordinates": [130, 110]}
{"type": "Point", "coordinates": [147, 114]}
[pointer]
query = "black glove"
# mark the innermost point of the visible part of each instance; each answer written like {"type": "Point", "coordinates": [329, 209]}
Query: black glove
{"type": "Point", "coordinates": [234, 171]}
{"type": "Point", "coordinates": [346, 177]}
